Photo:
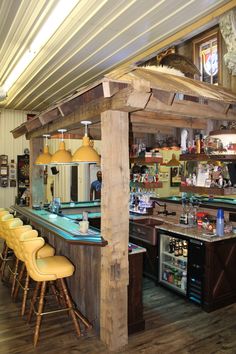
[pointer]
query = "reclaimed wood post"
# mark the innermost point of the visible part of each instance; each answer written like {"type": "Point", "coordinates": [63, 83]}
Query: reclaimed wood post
{"type": "Point", "coordinates": [115, 229]}
{"type": "Point", "coordinates": [37, 190]}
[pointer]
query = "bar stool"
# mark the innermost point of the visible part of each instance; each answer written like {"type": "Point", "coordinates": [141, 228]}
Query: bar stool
{"type": "Point", "coordinates": [15, 224]}
{"type": "Point", "coordinates": [4, 216]}
{"type": "Point", "coordinates": [46, 270]}
{"type": "Point", "coordinates": [7, 226]}
{"type": "Point", "coordinates": [45, 251]}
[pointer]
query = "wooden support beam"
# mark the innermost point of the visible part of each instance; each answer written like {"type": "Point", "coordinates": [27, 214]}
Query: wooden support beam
{"type": "Point", "coordinates": [48, 117]}
{"type": "Point", "coordinates": [130, 100]}
{"type": "Point", "coordinates": [151, 129]}
{"type": "Point", "coordinates": [110, 88]}
{"type": "Point", "coordinates": [188, 109]}
{"type": "Point", "coordinates": [115, 229]}
{"type": "Point", "coordinates": [33, 124]}
{"type": "Point", "coordinates": [163, 96]}
{"type": "Point", "coordinates": [19, 131]}
{"type": "Point", "coordinates": [37, 190]}
{"type": "Point", "coordinates": [167, 120]}
{"type": "Point", "coordinates": [219, 106]}
{"type": "Point", "coordinates": [87, 111]}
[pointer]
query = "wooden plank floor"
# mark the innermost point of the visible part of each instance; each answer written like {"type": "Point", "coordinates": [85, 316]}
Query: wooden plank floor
{"type": "Point", "coordinates": [173, 325]}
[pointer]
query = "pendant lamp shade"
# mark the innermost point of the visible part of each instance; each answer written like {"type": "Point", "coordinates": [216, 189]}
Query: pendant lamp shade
{"type": "Point", "coordinates": [61, 156]}
{"type": "Point", "coordinates": [86, 153]}
{"type": "Point", "coordinates": [45, 157]}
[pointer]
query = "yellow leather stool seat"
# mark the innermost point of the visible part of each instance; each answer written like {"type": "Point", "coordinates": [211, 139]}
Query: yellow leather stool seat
{"type": "Point", "coordinates": [55, 267]}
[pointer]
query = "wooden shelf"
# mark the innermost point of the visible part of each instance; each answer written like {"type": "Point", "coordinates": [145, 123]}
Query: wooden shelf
{"type": "Point", "coordinates": [147, 185]}
{"type": "Point", "coordinates": [142, 160]}
{"type": "Point", "coordinates": [204, 157]}
{"type": "Point", "coordinates": [209, 191]}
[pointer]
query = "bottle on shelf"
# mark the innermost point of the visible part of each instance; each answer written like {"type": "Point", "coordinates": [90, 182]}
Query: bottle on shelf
{"type": "Point", "coordinates": [176, 252]}
{"type": "Point", "coordinates": [220, 222]}
{"type": "Point", "coordinates": [185, 249]}
{"type": "Point", "coordinates": [183, 283]}
{"type": "Point", "coordinates": [171, 245]}
{"type": "Point", "coordinates": [180, 248]}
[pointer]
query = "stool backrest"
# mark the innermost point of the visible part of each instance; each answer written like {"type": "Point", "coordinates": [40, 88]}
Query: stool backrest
{"type": "Point", "coordinates": [3, 219]}
{"type": "Point", "coordinates": [8, 225]}
{"type": "Point", "coordinates": [16, 234]}
{"type": "Point", "coordinates": [4, 212]}
{"type": "Point", "coordinates": [30, 247]}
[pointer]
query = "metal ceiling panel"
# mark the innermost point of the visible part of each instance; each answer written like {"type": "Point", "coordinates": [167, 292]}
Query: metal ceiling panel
{"type": "Point", "coordinates": [97, 37]}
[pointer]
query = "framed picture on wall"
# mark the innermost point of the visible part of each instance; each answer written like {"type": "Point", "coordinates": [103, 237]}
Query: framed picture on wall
{"type": "Point", "coordinates": [175, 175]}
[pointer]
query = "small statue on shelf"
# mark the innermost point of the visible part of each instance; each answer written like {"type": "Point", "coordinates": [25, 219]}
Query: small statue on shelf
{"type": "Point", "coordinates": [221, 181]}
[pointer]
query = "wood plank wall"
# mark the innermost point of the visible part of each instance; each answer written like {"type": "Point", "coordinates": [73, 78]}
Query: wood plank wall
{"type": "Point", "coordinates": [9, 119]}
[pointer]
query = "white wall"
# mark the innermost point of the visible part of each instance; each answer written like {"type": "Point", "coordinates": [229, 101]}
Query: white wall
{"type": "Point", "coordinates": [10, 119]}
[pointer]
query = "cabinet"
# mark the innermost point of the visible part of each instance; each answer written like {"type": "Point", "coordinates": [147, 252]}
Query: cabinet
{"type": "Point", "coordinates": [203, 189]}
{"type": "Point", "coordinates": [146, 237]}
{"type": "Point", "coordinates": [220, 276]}
{"type": "Point", "coordinates": [23, 181]}
{"type": "Point", "coordinates": [150, 258]}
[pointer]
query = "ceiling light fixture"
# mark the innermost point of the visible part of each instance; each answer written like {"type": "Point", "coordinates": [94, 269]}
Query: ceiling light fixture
{"type": "Point", "coordinates": [53, 22]}
{"type": "Point", "coordinates": [86, 153]}
{"type": "Point", "coordinates": [61, 156]}
{"type": "Point", "coordinates": [45, 157]}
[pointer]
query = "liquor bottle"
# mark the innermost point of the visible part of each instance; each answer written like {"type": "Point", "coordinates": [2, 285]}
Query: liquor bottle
{"type": "Point", "coordinates": [183, 283]}
{"type": "Point", "coordinates": [176, 252]}
{"type": "Point", "coordinates": [180, 248]}
{"type": "Point", "coordinates": [185, 249]}
{"type": "Point", "coordinates": [171, 245]}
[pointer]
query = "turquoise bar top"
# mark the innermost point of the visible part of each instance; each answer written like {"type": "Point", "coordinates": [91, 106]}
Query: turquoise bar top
{"type": "Point", "coordinates": [80, 216]}
{"type": "Point", "coordinates": [87, 204]}
{"type": "Point", "coordinates": [64, 226]}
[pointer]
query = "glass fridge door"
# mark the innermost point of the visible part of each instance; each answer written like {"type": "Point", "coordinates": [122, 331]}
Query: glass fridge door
{"type": "Point", "coordinates": [173, 263]}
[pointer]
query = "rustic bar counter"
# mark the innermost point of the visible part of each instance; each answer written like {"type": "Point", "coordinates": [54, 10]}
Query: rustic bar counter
{"type": "Point", "coordinates": [62, 232]}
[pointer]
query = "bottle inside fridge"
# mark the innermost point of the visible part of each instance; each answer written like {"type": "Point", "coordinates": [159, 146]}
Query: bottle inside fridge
{"type": "Point", "coordinates": [173, 263]}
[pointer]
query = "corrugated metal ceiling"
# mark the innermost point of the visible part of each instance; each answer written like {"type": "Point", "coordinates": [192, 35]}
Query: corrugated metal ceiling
{"type": "Point", "coordinates": [96, 38]}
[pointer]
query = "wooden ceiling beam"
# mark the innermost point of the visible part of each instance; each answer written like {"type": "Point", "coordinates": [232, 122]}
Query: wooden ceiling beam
{"type": "Point", "coordinates": [189, 109]}
{"type": "Point", "coordinates": [165, 97]}
{"type": "Point", "coordinates": [151, 129]}
{"type": "Point", "coordinates": [167, 120]}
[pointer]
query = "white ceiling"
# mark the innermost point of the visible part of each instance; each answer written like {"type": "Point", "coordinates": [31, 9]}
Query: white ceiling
{"type": "Point", "coordinates": [97, 37]}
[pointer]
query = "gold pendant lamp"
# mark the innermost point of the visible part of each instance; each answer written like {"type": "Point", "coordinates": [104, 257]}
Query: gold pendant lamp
{"type": "Point", "coordinates": [45, 157]}
{"type": "Point", "coordinates": [86, 153]}
{"type": "Point", "coordinates": [61, 156]}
